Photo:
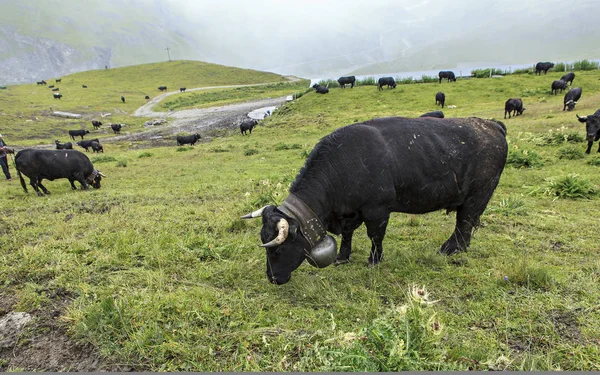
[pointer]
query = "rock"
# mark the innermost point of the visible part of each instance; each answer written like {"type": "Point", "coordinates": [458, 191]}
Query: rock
{"type": "Point", "coordinates": [11, 326]}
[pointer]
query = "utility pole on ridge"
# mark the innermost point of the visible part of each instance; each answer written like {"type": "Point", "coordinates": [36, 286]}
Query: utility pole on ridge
{"type": "Point", "coordinates": [168, 53]}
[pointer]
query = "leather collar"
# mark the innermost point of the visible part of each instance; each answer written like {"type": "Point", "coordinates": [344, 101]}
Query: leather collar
{"type": "Point", "coordinates": [92, 176]}
{"type": "Point", "coordinates": [310, 225]}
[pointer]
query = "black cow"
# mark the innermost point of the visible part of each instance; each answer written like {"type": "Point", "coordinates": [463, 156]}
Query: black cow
{"type": "Point", "coordinates": [63, 146]}
{"type": "Point", "coordinates": [162, 88]}
{"type": "Point", "coordinates": [514, 105]}
{"type": "Point", "coordinates": [87, 143]}
{"type": "Point", "coordinates": [248, 125]}
{"type": "Point", "coordinates": [55, 164]}
{"type": "Point", "coordinates": [42, 82]}
{"type": "Point", "coordinates": [440, 98]}
{"type": "Point", "coordinates": [78, 133]}
{"type": "Point", "coordinates": [84, 86]}
{"type": "Point", "coordinates": [559, 85]}
{"type": "Point", "coordinates": [146, 97]}
{"type": "Point", "coordinates": [571, 98]}
{"type": "Point", "coordinates": [96, 147]}
{"type": "Point", "coordinates": [448, 75]}
{"type": "Point", "coordinates": [51, 86]}
{"type": "Point", "coordinates": [56, 89]}
{"type": "Point", "coordinates": [363, 172]}
{"type": "Point", "coordinates": [116, 128]}
{"type": "Point", "coordinates": [97, 124]}
{"type": "Point", "coordinates": [383, 81]}
{"type": "Point", "coordinates": [350, 80]}
{"type": "Point", "coordinates": [122, 98]}
{"type": "Point", "coordinates": [320, 89]}
{"type": "Point", "coordinates": [592, 129]}
{"type": "Point", "coordinates": [182, 89]}
{"type": "Point", "coordinates": [438, 114]}
{"type": "Point", "coordinates": [569, 77]}
{"type": "Point", "coordinates": [543, 66]}
{"type": "Point", "coordinates": [57, 95]}
{"type": "Point", "coordinates": [191, 139]}
{"type": "Point", "coordinates": [58, 80]}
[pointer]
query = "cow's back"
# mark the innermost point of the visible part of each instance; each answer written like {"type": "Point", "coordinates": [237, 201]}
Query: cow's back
{"type": "Point", "coordinates": [51, 164]}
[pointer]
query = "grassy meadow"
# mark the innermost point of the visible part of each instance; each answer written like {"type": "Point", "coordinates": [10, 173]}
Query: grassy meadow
{"type": "Point", "coordinates": [160, 272]}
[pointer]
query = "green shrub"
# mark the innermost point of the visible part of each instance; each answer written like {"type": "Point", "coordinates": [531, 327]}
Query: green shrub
{"type": "Point", "coordinates": [562, 67]}
{"type": "Point", "coordinates": [367, 81]}
{"type": "Point", "coordinates": [585, 65]}
{"type": "Point", "coordinates": [524, 159]}
{"type": "Point", "coordinates": [102, 159]}
{"type": "Point", "coordinates": [122, 163]}
{"type": "Point", "coordinates": [329, 83]}
{"type": "Point", "coordinates": [531, 276]}
{"type": "Point", "coordinates": [486, 73]}
{"type": "Point", "coordinates": [512, 205]}
{"type": "Point", "coordinates": [571, 186]}
{"type": "Point", "coordinates": [522, 71]}
{"type": "Point", "coordinates": [283, 146]}
{"type": "Point", "coordinates": [184, 148]}
{"type": "Point", "coordinates": [250, 151]}
{"type": "Point", "coordinates": [218, 149]}
{"type": "Point", "coordinates": [429, 79]}
{"type": "Point", "coordinates": [595, 161]}
{"type": "Point", "coordinates": [558, 137]}
{"type": "Point", "coordinates": [144, 154]}
{"type": "Point", "coordinates": [405, 81]}
{"type": "Point", "coordinates": [570, 153]}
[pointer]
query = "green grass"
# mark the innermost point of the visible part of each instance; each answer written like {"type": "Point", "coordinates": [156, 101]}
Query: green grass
{"type": "Point", "coordinates": [165, 275]}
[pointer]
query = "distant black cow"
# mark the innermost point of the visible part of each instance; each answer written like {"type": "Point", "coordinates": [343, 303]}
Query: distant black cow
{"type": "Point", "coordinates": [87, 143]}
{"type": "Point", "coordinates": [559, 85]}
{"type": "Point", "coordinates": [59, 80]}
{"type": "Point", "coordinates": [54, 164]}
{"type": "Point", "coordinates": [438, 114]}
{"type": "Point", "coordinates": [116, 128]}
{"type": "Point", "coordinates": [55, 89]}
{"type": "Point", "coordinates": [569, 77]}
{"type": "Point", "coordinates": [248, 125]}
{"type": "Point", "coordinates": [440, 99]}
{"type": "Point", "coordinates": [448, 75]}
{"type": "Point", "coordinates": [97, 124]}
{"type": "Point", "coordinates": [543, 66]}
{"type": "Point", "coordinates": [389, 81]}
{"type": "Point", "coordinates": [122, 98]}
{"type": "Point", "coordinates": [84, 86]}
{"type": "Point", "coordinates": [96, 147]}
{"type": "Point", "coordinates": [57, 95]}
{"type": "Point", "coordinates": [146, 97]}
{"type": "Point", "coordinates": [592, 129]}
{"type": "Point", "coordinates": [51, 86]}
{"type": "Point", "coordinates": [571, 98]}
{"type": "Point", "coordinates": [350, 80]}
{"type": "Point", "coordinates": [162, 88]}
{"type": "Point", "coordinates": [63, 146]}
{"type": "Point", "coordinates": [78, 133]}
{"type": "Point", "coordinates": [514, 105]}
{"type": "Point", "coordinates": [42, 82]}
{"type": "Point", "coordinates": [182, 89]}
{"type": "Point", "coordinates": [320, 89]}
{"type": "Point", "coordinates": [191, 139]}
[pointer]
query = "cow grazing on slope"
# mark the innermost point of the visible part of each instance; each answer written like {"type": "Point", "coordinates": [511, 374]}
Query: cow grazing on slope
{"type": "Point", "coordinates": [146, 97]}
{"type": "Point", "coordinates": [63, 146]}
{"type": "Point", "coordinates": [569, 77]}
{"type": "Point", "coordinates": [248, 125]}
{"type": "Point", "coordinates": [320, 89]}
{"type": "Point", "coordinates": [350, 80]}
{"type": "Point", "coordinates": [559, 85]}
{"type": "Point", "coordinates": [54, 164]}
{"type": "Point", "coordinates": [571, 98]}
{"type": "Point", "coordinates": [191, 139]}
{"type": "Point", "coordinates": [87, 143]}
{"type": "Point", "coordinates": [182, 89]}
{"type": "Point", "coordinates": [42, 82]}
{"type": "Point", "coordinates": [51, 86]}
{"type": "Point", "coordinates": [514, 106]}
{"type": "Point", "coordinates": [122, 98]}
{"type": "Point", "coordinates": [116, 128]}
{"type": "Point", "coordinates": [440, 99]}
{"type": "Point", "coordinates": [390, 82]}
{"type": "Point", "coordinates": [449, 75]}
{"type": "Point", "coordinates": [543, 67]}
{"type": "Point", "coordinates": [162, 88]}
{"type": "Point", "coordinates": [84, 86]}
{"type": "Point", "coordinates": [78, 133]}
{"type": "Point", "coordinates": [96, 147]}
{"type": "Point", "coordinates": [55, 89]}
{"type": "Point", "coordinates": [592, 129]}
{"type": "Point", "coordinates": [362, 172]}
{"type": "Point", "coordinates": [57, 95]}
{"type": "Point", "coordinates": [437, 114]}
{"type": "Point", "coordinates": [97, 124]}
{"type": "Point", "coordinates": [58, 80]}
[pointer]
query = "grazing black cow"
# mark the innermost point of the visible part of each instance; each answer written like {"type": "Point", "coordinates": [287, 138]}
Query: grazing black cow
{"type": "Point", "coordinates": [569, 77]}
{"type": "Point", "coordinates": [248, 125]}
{"type": "Point", "coordinates": [122, 98]}
{"type": "Point", "coordinates": [559, 85]}
{"type": "Point", "coordinates": [116, 128]}
{"type": "Point", "coordinates": [162, 88]}
{"type": "Point", "coordinates": [571, 98]}
{"type": "Point", "coordinates": [438, 114]}
{"type": "Point", "coordinates": [592, 129]}
{"type": "Point", "coordinates": [320, 89]}
{"type": "Point", "coordinates": [63, 146]}
{"type": "Point", "coordinates": [97, 124]}
{"type": "Point", "coordinates": [440, 99]}
{"type": "Point", "coordinates": [182, 89]}
{"type": "Point", "coordinates": [78, 133]}
{"type": "Point", "coordinates": [350, 80]}
{"type": "Point", "coordinates": [51, 86]}
{"type": "Point", "coordinates": [57, 95]}
{"type": "Point", "coordinates": [543, 66]}
{"type": "Point", "coordinates": [448, 75]}
{"type": "Point", "coordinates": [42, 82]}
{"type": "Point", "coordinates": [84, 86]}
{"type": "Point", "coordinates": [146, 97]}
{"type": "Point", "coordinates": [362, 172]}
{"type": "Point", "coordinates": [383, 81]}
{"type": "Point", "coordinates": [58, 80]}
{"type": "Point", "coordinates": [96, 147]}
{"type": "Point", "coordinates": [56, 89]}
{"type": "Point", "coordinates": [87, 143]}
{"type": "Point", "coordinates": [191, 139]}
{"type": "Point", "coordinates": [514, 105]}
{"type": "Point", "coordinates": [55, 164]}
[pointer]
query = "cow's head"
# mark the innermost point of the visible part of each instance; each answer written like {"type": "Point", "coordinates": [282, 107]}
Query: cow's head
{"type": "Point", "coordinates": [287, 247]}
{"type": "Point", "coordinates": [94, 178]}
{"type": "Point", "coordinates": [521, 110]}
{"type": "Point", "coordinates": [197, 136]}
{"type": "Point", "coordinates": [592, 126]}
{"type": "Point", "coordinates": [570, 105]}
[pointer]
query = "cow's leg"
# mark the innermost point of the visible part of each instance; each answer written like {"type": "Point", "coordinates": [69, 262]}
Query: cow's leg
{"type": "Point", "coordinates": [376, 227]}
{"type": "Point", "coordinates": [34, 185]}
{"type": "Point", "coordinates": [39, 183]}
{"type": "Point", "coordinates": [589, 147]}
{"type": "Point", "coordinates": [72, 181]}
{"type": "Point", "coordinates": [598, 147]}
{"type": "Point", "coordinates": [346, 246]}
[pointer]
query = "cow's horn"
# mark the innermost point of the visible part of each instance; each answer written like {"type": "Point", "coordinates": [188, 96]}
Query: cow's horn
{"type": "Point", "coordinates": [101, 174]}
{"type": "Point", "coordinates": [283, 228]}
{"type": "Point", "coordinates": [254, 214]}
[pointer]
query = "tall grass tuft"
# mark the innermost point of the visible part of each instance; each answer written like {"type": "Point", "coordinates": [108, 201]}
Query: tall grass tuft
{"type": "Point", "coordinates": [571, 186]}
{"type": "Point", "coordinates": [512, 205]}
{"type": "Point", "coordinates": [595, 161]}
{"type": "Point", "coordinates": [524, 159]}
{"type": "Point", "coordinates": [576, 65]}
{"type": "Point", "coordinates": [558, 137]}
{"type": "Point", "coordinates": [570, 153]}
{"type": "Point", "coordinates": [428, 79]}
{"type": "Point", "coordinates": [487, 72]}
{"type": "Point", "coordinates": [367, 81]}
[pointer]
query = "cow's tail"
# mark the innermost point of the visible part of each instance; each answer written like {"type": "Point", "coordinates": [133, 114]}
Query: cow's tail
{"type": "Point", "coordinates": [20, 176]}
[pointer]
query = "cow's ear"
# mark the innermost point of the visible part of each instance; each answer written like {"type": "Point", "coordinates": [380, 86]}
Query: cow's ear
{"type": "Point", "coordinates": [293, 231]}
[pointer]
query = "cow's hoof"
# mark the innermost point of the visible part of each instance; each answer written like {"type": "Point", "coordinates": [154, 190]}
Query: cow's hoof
{"type": "Point", "coordinates": [449, 248]}
{"type": "Point", "coordinates": [341, 261]}
{"type": "Point", "coordinates": [372, 265]}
